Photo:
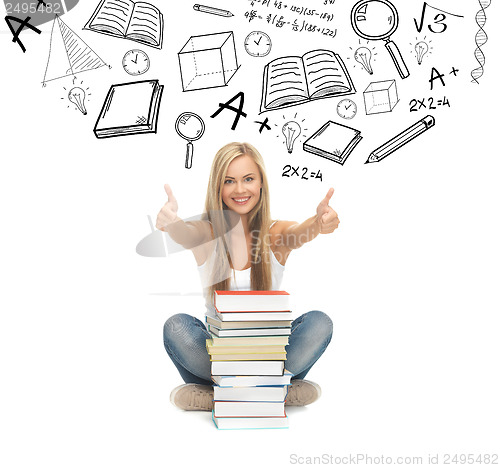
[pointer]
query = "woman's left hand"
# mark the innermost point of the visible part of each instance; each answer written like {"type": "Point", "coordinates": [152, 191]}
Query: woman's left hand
{"type": "Point", "coordinates": [326, 216]}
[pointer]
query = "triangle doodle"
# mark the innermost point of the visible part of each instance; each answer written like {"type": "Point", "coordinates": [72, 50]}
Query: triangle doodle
{"type": "Point", "coordinates": [68, 54]}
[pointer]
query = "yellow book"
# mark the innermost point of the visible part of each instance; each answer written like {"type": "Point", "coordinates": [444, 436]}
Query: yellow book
{"type": "Point", "coordinates": [255, 349]}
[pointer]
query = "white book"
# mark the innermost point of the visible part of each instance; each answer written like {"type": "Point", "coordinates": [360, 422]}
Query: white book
{"type": "Point", "coordinates": [250, 331]}
{"type": "Point", "coordinates": [248, 367]}
{"type": "Point", "coordinates": [248, 408]}
{"type": "Point", "coordinates": [277, 394]}
{"type": "Point", "coordinates": [252, 380]}
{"type": "Point", "coordinates": [251, 423]}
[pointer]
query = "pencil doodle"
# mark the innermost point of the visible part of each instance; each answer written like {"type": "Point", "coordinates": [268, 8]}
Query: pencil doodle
{"type": "Point", "coordinates": [401, 139]}
{"type": "Point", "coordinates": [212, 10]}
{"type": "Point", "coordinates": [190, 127]}
{"type": "Point", "coordinates": [347, 109]}
{"type": "Point", "coordinates": [68, 54]}
{"type": "Point", "coordinates": [136, 62]}
{"type": "Point", "coordinates": [208, 61]}
{"type": "Point", "coordinates": [375, 20]}
{"type": "Point", "coordinates": [138, 21]}
{"type": "Point", "coordinates": [290, 81]}
{"type": "Point", "coordinates": [130, 109]}
{"type": "Point", "coordinates": [333, 141]}
{"type": "Point", "coordinates": [380, 96]}
{"type": "Point", "coordinates": [481, 38]}
{"type": "Point", "coordinates": [421, 49]}
{"type": "Point", "coordinates": [258, 44]}
{"type": "Point", "coordinates": [77, 96]}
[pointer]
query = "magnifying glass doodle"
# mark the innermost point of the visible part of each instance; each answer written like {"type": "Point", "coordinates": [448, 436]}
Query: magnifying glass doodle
{"type": "Point", "coordinates": [376, 20]}
{"type": "Point", "coordinates": [190, 127]}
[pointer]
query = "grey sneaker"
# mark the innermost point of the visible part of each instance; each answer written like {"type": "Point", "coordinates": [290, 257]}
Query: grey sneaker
{"type": "Point", "coordinates": [302, 392]}
{"type": "Point", "coordinates": [193, 397]}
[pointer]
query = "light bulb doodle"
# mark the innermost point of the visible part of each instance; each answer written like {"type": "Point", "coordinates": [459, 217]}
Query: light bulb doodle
{"type": "Point", "coordinates": [421, 48]}
{"type": "Point", "coordinates": [77, 97]}
{"type": "Point", "coordinates": [291, 130]}
{"type": "Point", "coordinates": [363, 56]}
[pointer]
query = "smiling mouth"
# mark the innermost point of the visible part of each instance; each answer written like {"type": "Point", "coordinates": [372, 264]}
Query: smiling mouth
{"type": "Point", "coordinates": [241, 201]}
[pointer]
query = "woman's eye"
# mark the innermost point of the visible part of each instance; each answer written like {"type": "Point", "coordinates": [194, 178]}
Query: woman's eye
{"type": "Point", "coordinates": [228, 181]}
{"type": "Point", "coordinates": [249, 179]}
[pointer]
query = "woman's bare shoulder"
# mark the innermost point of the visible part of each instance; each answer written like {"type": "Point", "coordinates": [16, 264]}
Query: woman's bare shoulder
{"type": "Point", "coordinates": [279, 227]}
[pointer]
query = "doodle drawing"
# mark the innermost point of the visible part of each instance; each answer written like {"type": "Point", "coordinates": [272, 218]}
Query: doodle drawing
{"type": "Point", "coordinates": [68, 54]}
{"type": "Point", "coordinates": [137, 21]}
{"type": "Point", "coordinates": [208, 61]}
{"type": "Point", "coordinates": [212, 10]}
{"type": "Point", "coordinates": [258, 44]}
{"type": "Point", "coordinates": [380, 96]}
{"type": "Point", "coordinates": [480, 39]}
{"type": "Point", "coordinates": [333, 141]}
{"type": "Point", "coordinates": [77, 97]}
{"type": "Point", "coordinates": [401, 139]}
{"type": "Point", "coordinates": [190, 127]}
{"type": "Point", "coordinates": [363, 56]}
{"type": "Point", "coordinates": [318, 74]}
{"type": "Point", "coordinates": [421, 49]}
{"type": "Point", "coordinates": [347, 109]}
{"type": "Point", "coordinates": [129, 109]}
{"type": "Point", "coordinates": [292, 131]}
{"type": "Point", "coordinates": [135, 62]}
{"type": "Point", "coordinates": [375, 20]}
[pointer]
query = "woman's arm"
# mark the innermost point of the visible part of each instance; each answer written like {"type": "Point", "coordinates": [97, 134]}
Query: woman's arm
{"type": "Point", "coordinates": [292, 235]}
{"type": "Point", "coordinates": [190, 234]}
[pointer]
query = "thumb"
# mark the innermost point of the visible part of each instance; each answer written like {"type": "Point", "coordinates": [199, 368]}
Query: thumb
{"type": "Point", "coordinates": [169, 193]}
{"type": "Point", "coordinates": [326, 200]}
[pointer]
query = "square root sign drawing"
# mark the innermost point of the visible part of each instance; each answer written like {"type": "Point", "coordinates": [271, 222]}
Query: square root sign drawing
{"type": "Point", "coordinates": [208, 61]}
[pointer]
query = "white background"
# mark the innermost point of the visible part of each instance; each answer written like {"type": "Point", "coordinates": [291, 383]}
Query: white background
{"type": "Point", "coordinates": [410, 279]}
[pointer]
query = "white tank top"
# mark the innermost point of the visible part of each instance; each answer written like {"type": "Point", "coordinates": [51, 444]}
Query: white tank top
{"type": "Point", "coordinates": [240, 279]}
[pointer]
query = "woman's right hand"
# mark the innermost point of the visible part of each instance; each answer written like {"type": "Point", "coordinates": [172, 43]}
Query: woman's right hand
{"type": "Point", "coordinates": [168, 214]}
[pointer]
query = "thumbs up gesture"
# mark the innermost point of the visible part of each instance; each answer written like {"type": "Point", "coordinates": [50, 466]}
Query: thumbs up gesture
{"type": "Point", "coordinates": [326, 216]}
{"type": "Point", "coordinates": [168, 214]}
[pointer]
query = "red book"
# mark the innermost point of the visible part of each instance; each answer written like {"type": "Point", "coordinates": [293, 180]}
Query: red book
{"type": "Point", "coordinates": [251, 301]}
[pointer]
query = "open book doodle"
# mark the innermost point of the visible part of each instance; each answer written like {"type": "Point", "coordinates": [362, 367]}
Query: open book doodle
{"type": "Point", "coordinates": [289, 81]}
{"type": "Point", "coordinates": [137, 21]}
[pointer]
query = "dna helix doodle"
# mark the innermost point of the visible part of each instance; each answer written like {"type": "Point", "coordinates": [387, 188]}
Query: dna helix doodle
{"type": "Point", "coordinates": [480, 39]}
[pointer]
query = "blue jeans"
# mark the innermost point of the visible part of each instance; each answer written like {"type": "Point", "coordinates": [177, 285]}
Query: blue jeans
{"type": "Point", "coordinates": [184, 339]}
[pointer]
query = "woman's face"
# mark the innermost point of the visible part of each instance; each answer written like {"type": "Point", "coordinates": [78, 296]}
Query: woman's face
{"type": "Point", "coordinates": [241, 188]}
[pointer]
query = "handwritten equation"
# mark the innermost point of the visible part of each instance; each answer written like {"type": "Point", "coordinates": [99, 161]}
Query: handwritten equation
{"type": "Point", "coordinates": [297, 22]}
{"type": "Point", "coordinates": [302, 172]}
{"type": "Point", "coordinates": [429, 103]}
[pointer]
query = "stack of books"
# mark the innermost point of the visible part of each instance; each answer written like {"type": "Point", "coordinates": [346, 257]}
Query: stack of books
{"type": "Point", "coordinates": [249, 331]}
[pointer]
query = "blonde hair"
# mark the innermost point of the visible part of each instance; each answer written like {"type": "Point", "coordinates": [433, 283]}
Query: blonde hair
{"type": "Point", "coordinates": [259, 220]}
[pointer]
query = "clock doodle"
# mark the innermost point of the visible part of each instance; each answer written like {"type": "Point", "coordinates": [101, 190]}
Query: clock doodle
{"type": "Point", "coordinates": [135, 62]}
{"type": "Point", "coordinates": [346, 109]}
{"type": "Point", "coordinates": [258, 44]}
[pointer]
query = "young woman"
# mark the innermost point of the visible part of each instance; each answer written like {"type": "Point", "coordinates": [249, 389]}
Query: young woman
{"type": "Point", "coordinates": [239, 247]}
